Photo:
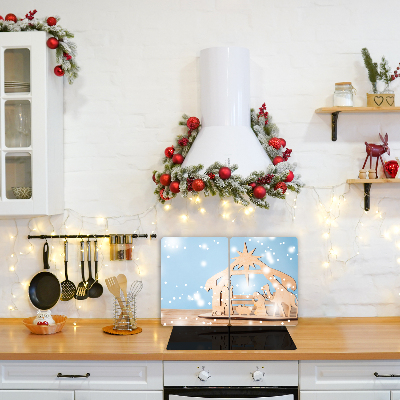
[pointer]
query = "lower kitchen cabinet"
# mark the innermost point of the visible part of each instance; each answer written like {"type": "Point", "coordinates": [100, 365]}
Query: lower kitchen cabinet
{"type": "Point", "coordinates": [36, 395]}
{"type": "Point", "coordinates": [117, 395]}
{"type": "Point", "coordinates": [346, 395]}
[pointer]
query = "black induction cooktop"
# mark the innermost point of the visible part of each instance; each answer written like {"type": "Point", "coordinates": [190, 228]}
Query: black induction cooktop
{"type": "Point", "coordinates": [230, 338]}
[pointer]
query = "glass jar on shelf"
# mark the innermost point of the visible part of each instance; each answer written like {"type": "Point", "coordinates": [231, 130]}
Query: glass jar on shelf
{"type": "Point", "coordinates": [120, 247]}
{"type": "Point", "coordinates": [128, 247]}
{"type": "Point", "coordinates": [113, 247]}
{"type": "Point", "coordinates": [343, 95]}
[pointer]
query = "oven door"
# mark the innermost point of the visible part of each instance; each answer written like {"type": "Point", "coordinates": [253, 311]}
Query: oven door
{"type": "Point", "coordinates": [230, 393]}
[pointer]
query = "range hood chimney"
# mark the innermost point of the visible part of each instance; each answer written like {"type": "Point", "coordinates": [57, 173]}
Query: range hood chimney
{"type": "Point", "coordinates": [226, 135]}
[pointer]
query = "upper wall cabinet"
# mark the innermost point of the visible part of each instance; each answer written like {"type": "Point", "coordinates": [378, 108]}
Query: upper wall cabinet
{"type": "Point", "coordinates": [31, 127]}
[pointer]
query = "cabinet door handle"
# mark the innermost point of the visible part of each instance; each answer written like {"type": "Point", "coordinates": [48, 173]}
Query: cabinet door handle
{"type": "Point", "coordinates": [60, 375]}
{"type": "Point", "coordinates": [386, 376]}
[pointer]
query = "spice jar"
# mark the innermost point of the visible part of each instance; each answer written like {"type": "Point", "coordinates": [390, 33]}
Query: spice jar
{"type": "Point", "coordinates": [120, 247]}
{"type": "Point", "coordinates": [128, 247]}
{"type": "Point", "coordinates": [343, 96]}
{"type": "Point", "coordinates": [113, 247]}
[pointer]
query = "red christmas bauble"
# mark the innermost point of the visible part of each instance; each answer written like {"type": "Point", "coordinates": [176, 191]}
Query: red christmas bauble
{"type": "Point", "coordinates": [283, 142]}
{"type": "Point", "coordinates": [52, 43]}
{"type": "Point", "coordinates": [165, 179]}
{"type": "Point", "coordinates": [193, 123]}
{"type": "Point", "coordinates": [59, 71]}
{"type": "Point", "coordinates": [275, 142]}
{"type": "Point", "coordinates": [177, 158]}
{"type": "Point", "coordinates": [282, 186]}
{"type": "Point", "coordinates": [169, 151]}
{"type": "Point", "coordinates": [174, 187]}
{"type": "Point", "coordinates": [277, 160]}
{"type": "Point", "coordinates": [154, 179]}
{"type": "Point", "coordinates": [1, 18]}
{"type": "Point", "coordinates": [391, 168]}
{"type": "Point", "coordinates": [198, 185]}
{"type": "Point", "coordinates": [225, 173]}
{"type": "Point", "coordinates": [162, 196]}
{"type": "Point", "coordinates": [259, 192]}
{"type": "Point", "coordinates": [290, 177]}
{"type": "Point", "coordinates": [253, 184]}
{"type": "Point", "coordinates": [11, 17]}
{"type": "Point", "coordinates": [51, 21]}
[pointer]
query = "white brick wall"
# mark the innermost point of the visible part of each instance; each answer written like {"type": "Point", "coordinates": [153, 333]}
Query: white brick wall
{"type": "Point", "coordinates": [139, 74]}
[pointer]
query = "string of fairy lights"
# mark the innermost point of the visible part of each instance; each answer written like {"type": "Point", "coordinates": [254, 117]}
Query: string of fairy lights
{"type": "Point", "coordinates": [328, 216]}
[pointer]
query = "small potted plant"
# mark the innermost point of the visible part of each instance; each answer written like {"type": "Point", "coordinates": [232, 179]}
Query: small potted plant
{"type": "Point", "coordinates": [386, 97]}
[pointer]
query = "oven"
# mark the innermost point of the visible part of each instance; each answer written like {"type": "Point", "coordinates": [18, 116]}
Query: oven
{"type": "Point", "coordinates": [237, 380]}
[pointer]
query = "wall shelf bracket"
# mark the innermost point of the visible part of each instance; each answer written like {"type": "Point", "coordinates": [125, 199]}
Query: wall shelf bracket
{"type": "Point", "coordinates": [367, 196]}
{"type": "Point", "coordinates": [335, 117]}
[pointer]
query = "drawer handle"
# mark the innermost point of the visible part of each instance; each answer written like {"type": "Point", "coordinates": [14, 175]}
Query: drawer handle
{"type": "Point", "coordinates": [386, 376]}
{"type": "Point", "coordinates": [60, 375]}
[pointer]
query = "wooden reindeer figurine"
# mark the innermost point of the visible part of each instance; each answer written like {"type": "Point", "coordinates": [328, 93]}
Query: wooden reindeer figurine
{"type": "Point", "coordinates": [376, 150]}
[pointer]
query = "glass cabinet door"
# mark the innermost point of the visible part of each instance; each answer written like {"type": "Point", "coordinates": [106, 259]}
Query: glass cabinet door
{"type": "Point", "coordinates": [16, 125]}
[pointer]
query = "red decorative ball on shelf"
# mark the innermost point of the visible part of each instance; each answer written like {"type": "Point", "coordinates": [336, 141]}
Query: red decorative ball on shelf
{"type": "Point", "coordinates": [162, 196]}
{"type": "Point", "coordinates": [174, 187]}
{"type": "Point", "coordinates": [275, 142]}
{"type": "Point", "coordinates": [11, 17]}
{"type": "Point", "coordinates": [283, 142]}
{"type": "Point", "coordinates": [177, 158]}
{"type": "Point", "coordinates": [154, 179]}
{"type": "Point", "coordinates": [51, 21]}
{"type": "Point", "coordinates": [59, 71]}
{"type": "Point", "coordinates": [193, 123]}
{"type": "Point", "coordinates": [282, 186]}
{"type": "Point", "coordinates": [253, 184]}
{"type": "Point", "coordinates": [290, 177]}
{"type": "Point", "coordinates": [52, 43]}
{"type": "Point", "coordinates": [198, 185]}
{"type": "Point", "coordinates": [277, 160]}
{"type": "Point", "coordinates": [169, 151]}
{"type": "Point", "coordinates": [391, 168]}
{"type": "Point", "coordinates": [165, 179]}
{"type": "Point", "coordinates": [259, 192]}
{"type": "Point", "coordinates": [225, 173]}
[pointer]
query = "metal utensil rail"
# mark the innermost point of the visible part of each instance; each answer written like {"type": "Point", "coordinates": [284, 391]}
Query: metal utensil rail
{"type": "Point", "coordinates": [134, 236]}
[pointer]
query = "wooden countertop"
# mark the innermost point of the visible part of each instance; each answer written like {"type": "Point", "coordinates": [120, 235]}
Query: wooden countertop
{"type": "Point", "coordinates": [315, 338]}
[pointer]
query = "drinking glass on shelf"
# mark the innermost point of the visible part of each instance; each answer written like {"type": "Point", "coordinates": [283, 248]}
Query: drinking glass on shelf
{"type": "Point", "coordinates": [23, 124]}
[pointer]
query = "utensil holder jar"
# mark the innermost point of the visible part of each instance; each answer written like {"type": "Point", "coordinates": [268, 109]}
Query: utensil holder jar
{"type": "Point", "coordinates": [125, 314]}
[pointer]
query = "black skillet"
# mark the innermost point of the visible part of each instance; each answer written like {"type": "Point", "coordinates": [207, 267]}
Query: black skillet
{"type": "Point", "coordinates": [44, 289]}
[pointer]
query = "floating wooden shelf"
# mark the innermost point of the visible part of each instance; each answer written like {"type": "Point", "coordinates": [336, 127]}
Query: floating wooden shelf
{"type": "Point", "coordinates": [336, 110]}
{"type": "Point", "coordinates": [367, 186]}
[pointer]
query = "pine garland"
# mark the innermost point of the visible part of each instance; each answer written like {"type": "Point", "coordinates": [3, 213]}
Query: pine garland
{"type": "Point", "coordinates": [372, 68]}
{"type": "Point", "coordinates": [236, 186]}
{"type": "Point", "coordinates": [66, 50]}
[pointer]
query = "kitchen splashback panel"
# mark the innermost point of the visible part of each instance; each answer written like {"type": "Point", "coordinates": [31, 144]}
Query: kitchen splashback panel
{"type": "Point", "coordinates": [242, 281]}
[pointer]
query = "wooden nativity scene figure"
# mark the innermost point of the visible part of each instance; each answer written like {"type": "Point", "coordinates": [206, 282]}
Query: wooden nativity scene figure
{"type": "Point", "coordinates": [276, 299]}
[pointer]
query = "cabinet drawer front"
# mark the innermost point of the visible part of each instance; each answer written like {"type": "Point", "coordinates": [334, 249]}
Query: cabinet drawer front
{"type": "Point", "coordinates": [117, 395]}
{"type": "Point", "coordinates": [103, 375]}
{"type": "Point", "coordinates": [356, 395]}
{"type": "Point", "coordinates": [185, 373]}
{"type": "Point", "coordinates": [35, 395]}
{"type": "Point", "coordinates": [349, 375]}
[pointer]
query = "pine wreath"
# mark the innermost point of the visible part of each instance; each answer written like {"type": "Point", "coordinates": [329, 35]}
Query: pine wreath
{"type": "Point", "coordinates": [219, 178]}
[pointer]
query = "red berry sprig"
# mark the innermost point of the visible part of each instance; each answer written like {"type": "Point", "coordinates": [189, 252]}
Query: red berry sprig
{"type": "Point", "coordinates": [183, 142]}
{"type": "Point", "coordinates": [263, 113]}
{"type": "Point", "coordinates": [395, 74]}
{"type": "Point", "coordinates": [265, 179]}
{"type": "Point", "coordinates": [286, 154]}
{"type": "Point", "coordinates": [31, 15]}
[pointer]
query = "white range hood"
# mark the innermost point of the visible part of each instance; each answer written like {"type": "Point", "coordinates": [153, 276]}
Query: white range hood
{"type": "Point", "coordinates": [226, 134]}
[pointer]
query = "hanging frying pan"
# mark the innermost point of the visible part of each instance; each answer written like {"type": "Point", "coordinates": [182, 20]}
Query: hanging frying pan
{"type": "Point", "coordinates": [44, 289]}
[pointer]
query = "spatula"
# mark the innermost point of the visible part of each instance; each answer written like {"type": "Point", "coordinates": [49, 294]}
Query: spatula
{"type": "Point", "coordinates": [123, 284]}
{"type": "Point", "coordinates": [115, 290]}
{"type": "Point", "coordinates": [81, 290]}
{"type": "Point", "coordinates": [68, 289]}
